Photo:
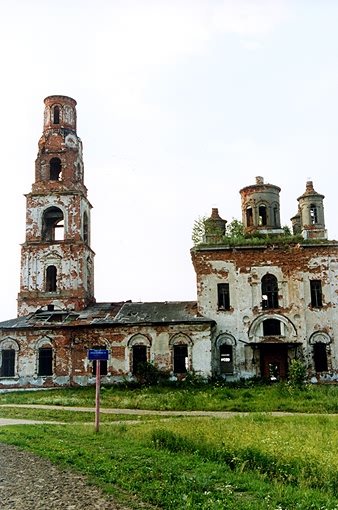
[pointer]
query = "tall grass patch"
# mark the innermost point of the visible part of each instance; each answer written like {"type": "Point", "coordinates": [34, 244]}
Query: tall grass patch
{"type": "Point", "coordinates": [248, 463]}
{"type": "Point", "coordinates": [301, 451]}
{"type": "Point", "coordinates": [245, 396]}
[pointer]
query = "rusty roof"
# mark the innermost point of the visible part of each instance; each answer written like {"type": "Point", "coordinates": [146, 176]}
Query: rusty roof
{"type": "Point", "coordinates": [112, 314]}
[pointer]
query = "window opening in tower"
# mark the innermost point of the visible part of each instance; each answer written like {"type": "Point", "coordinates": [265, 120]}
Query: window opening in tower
{"type": "Point", "coordinates": [313, 214]}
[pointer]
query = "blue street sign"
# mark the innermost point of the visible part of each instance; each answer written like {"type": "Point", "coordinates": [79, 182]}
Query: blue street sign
{"type": "Point", "coordinates": [101, 354]}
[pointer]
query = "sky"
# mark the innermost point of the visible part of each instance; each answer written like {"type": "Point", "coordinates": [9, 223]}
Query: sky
{"type": "Point", "coordinates": [181, 103]}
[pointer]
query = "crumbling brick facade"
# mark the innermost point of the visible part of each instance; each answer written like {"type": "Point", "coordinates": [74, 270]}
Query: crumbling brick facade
{"type": "Point", "coordinates": [260, 303]}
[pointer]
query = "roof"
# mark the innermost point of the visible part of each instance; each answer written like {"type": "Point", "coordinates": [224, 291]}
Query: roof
{"type": "Point", "coordinates": [112, 314]}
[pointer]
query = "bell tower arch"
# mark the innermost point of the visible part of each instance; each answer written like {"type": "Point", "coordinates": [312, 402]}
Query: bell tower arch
{"type": "Point", "coordinates": [56, 257]}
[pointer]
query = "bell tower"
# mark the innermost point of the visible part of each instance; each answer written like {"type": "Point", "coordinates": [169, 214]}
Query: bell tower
{"type": "Point", "coordinates": [57, 263]}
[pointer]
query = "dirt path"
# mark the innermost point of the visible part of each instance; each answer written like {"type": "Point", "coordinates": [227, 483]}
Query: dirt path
{"type": "Point", "coordinates": [217, 414]}
{"type": "Point", "coordinates": [28, 482]}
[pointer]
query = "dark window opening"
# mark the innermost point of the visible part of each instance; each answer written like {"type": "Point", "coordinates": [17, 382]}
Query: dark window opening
{"type": "Point", "coordinates": [249, 217]}
{"type": "Point", "coordinates": [262, 215]}
{"type": "Point", "coordinates": [269, 291]}
{"type": "Point", "coordinates": [320, 357]}
{"type": "Point", "coordinates": [313, 214]}
{"type": "Point", "coordinates": [8, 363]}
{"type": "Point", "coordinates": [271, 327]}
{"type": "Point", "coordinates": [56, 115]}
{"type": "Point", "coordinates": [52, 225]}
{"type": "Point", "coordinates": [225, 352]}
{"type": "Point", "coordinates": [316, 293]}
{"type": "Point", "coordinates": [85, 228]}
{"type": "Point", "coordinates": [275, 216]}
{"type": "Point", "coordinates": [223, 293]}
{"type": "Point", "coordinates": [139, 357]}
{"type": "Point", "coordinates": [180, 359]}
{"type": "Point", "coordinates": [55, 169]}
{"type": "Point", "coordinates": [103, 362]}
{"type": "Point", "coordinates": [51, 273]}
{"type": "Point", "coordinates": [45, 363]}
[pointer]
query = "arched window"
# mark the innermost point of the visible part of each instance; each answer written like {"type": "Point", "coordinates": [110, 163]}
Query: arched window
{"type": "Point", "coordinates": [249, 217]}
{"type": "Point", "coordinates": [56, 115]}
{"type": "Point", "coordinates": [45, 361]}
{"type": "Point", "coordinates": [320, 357]}
{"type": "Point", "coordinates": [271, 327]}
{"type": "Point", "coordinates": [51, 274]}
{"type": "Point", "coordinates": [313, 214]}
{"type": "Point", "coordinates": [8, 357]}
{"type": "Point", "coordinates": [181, 348]}
{"type": "Point", "coordinates": [269, 291]}
{"type": "Point", "coordinates": [55, 169]}
{"type": "Point", "coordinates": [262, 217]}
{"type": "Point", "coordinates": [180, 358]}
{"type": "Point", "coordinates": [7, 363]}
{"type": "Point", "coordinates": [139, 353]}
{"type": "Point", "coordinates": [226, 359]}
{"type": "Point", "coordinates": [52, 224]}
{"type": "Point", "coordinates": [85, 228]}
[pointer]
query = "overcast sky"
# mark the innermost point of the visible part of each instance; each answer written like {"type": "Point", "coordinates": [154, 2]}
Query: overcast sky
{"type": "Point", "coordinates": [180, 105]}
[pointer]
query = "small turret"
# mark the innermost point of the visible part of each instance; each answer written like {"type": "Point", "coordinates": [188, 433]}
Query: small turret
{"type": "Point", "coordinates": [311, 212]}
{"type": "Point", "coordinates": [260, 208]}
{"type": "Point", "coordinates": [214, 227]}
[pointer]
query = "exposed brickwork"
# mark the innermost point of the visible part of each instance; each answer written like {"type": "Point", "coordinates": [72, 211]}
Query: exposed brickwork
{"type": "Point", "coordinates": [258, 307]}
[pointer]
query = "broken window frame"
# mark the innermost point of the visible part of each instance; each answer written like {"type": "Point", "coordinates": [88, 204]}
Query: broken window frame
{"type": "Point", "coordinates": [269, 292]}
{"type": "Point", "coordinates": [313, 214]}
{"type": "Point", "coordinates": [180, 358]}
{"type": "Point", "coordinates": [316, 293]}
{"type": "Point", "coordinates": [45, 361]}
{"type": "Point", "coordinates": [7, 363]}
{"type": "Point", "coordinates": [223, 296]}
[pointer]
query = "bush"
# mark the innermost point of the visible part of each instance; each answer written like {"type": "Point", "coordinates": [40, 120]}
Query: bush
{"type": "Point", "coordinates": [148, 374]}
{"type": "Point", "coordinates": [297, 374]}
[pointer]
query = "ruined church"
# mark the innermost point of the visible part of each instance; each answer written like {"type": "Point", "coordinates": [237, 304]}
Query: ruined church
{"type": "Point", "coordinates": [262, 302]}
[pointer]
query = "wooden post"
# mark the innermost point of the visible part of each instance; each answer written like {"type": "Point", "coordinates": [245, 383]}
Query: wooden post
{"type": "Point", "coordinates": [97, 396]}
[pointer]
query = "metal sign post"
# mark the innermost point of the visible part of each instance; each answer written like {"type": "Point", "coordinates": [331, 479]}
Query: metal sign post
{"type": "Point", "coordinates": [97, 396]}
{"type": "Point", "coordinates": [97, 355]}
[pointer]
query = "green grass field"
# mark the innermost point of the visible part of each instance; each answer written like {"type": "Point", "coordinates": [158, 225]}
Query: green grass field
{"type": "Point", "coordinates": [246, 397]}
{"type": "Point", "coordinates": [254, 462]}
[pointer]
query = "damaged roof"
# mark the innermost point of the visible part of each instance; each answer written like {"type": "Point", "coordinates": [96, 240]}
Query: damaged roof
{"type": "Point", "coordinates": [112, 314]}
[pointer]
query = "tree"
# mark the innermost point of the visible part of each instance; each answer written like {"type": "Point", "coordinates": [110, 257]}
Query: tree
{"type": "Point", "coordinates": [235, 229]}
{"type": "Point", "coordinates": [198, 231]}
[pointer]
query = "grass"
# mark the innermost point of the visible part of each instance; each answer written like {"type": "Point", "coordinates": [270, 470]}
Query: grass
{"type": "Point", "coordinates": [253, 462]}
{"type": "Point", "coordinates": [207, 397]}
